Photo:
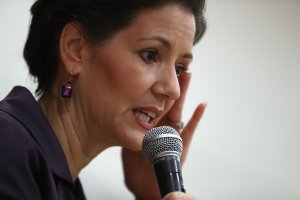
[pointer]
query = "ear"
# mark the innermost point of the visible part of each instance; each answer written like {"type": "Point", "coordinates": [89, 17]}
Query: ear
{"type": "Point", "coordinates": [71, 48]}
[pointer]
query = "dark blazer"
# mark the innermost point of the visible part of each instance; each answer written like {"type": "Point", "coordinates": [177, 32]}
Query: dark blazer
{"type": "Point", "coordinates": [32, 163]}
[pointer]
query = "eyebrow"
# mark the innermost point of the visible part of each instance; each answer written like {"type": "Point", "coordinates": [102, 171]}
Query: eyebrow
{"type": "Point", "coordinates": [168, 45]}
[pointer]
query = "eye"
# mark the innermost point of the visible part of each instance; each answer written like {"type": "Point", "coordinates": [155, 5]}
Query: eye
{"type": "Point", "coordinates": [149, 56]}
{"type": "Point", "coordinates": [180, 69]}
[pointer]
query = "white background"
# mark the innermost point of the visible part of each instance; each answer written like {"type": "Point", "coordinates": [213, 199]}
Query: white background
{"type": "Point", "coordinates": [247, 67]}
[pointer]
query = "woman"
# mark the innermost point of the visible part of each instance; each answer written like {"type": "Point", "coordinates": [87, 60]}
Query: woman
{"type": "Point", "coordinates": [107, 72]}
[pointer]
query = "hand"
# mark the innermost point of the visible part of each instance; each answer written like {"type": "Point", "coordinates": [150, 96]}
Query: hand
{"type": "Point", "coordinates": [139, 174]}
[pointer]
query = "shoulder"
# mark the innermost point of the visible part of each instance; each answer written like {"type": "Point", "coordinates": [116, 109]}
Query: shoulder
{"type": "Point", "coordinates": [12, 133]}
{"type": "Point", "coordinates": [15, 109]}
{"type": "Point", "coordinates": [20, 159]}
{"type": "Point", "coordinates": [16, 144]}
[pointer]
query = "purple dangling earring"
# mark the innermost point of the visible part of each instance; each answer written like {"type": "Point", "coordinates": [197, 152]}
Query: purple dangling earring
{"type": "Point", "coordinates": [66, 90]}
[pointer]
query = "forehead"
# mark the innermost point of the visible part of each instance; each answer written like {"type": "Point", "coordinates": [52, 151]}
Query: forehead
{"type": "Point", "coordinates": [170, 21]}
{"type": "Point", "coordinates": [169, 16]}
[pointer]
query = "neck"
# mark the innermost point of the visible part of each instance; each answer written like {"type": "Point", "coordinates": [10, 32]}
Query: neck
{"type": "Point", "coordinates": [70, 131]}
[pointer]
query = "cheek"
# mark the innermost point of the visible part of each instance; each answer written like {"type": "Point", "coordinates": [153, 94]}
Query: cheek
{"type": "Point", "coordinates": [118, 78]}
{"type": "Point", "coordinates": [169, 105]}
{"type": "Point", "coordinates": [125, 75]}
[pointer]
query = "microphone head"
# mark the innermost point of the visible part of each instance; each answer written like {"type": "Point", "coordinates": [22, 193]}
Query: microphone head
{"type": "Point", "coordinates": [162, 141]}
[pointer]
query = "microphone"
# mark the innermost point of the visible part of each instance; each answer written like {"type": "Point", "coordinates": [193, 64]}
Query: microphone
{"type": "Point", "coordinates": [163, 147]}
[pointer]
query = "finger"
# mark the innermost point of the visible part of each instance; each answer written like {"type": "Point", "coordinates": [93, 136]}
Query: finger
{"type": "Point", "coordinates": [184, 82]}
{"type": "Point", "coordinates": [175, 113]}
{"type": "Point", "coordinates": [191, 126]}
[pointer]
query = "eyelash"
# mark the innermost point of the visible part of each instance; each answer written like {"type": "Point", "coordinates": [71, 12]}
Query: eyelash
{"type": "Point", "coordinates": [151, 56]}
{"type": "Point", "coordinates": [180, 69]}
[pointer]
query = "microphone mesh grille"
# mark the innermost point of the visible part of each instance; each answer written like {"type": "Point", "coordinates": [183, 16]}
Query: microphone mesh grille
{"type": "Point", "coordinates": [162, 139]}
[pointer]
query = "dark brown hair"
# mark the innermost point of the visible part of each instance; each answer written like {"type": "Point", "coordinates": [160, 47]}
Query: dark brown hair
{"type": "Point", "coordinates": [100, 19]}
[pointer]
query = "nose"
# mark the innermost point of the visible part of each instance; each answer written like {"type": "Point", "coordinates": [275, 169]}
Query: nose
{"type": "Point", "coordinates": [167, 84]}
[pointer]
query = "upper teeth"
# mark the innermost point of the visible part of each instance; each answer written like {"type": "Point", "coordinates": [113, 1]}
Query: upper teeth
{"type": "Point", "coordinates": [145, 116]}
{"type": "Point", "coordinates": [151, 114]}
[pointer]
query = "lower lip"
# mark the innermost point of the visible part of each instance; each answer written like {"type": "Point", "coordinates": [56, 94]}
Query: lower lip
{"type": "Point", "coordinates": [143, 124]}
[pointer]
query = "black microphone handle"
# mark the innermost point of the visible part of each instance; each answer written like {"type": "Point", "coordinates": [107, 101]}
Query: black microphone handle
{"type": "Point", "coordinates": [168, 174]}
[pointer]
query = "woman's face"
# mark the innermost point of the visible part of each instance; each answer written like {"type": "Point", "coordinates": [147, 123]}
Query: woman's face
{"type": "Point", "coordinates": [130, 82]}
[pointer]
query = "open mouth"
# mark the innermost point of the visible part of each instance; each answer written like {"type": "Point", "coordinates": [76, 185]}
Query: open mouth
{"type": "Point", "coordinates": [145, 116]}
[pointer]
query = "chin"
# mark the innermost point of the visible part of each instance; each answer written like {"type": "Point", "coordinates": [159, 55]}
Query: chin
{"type": "Point", "coordinates": [134, 143]}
